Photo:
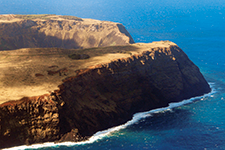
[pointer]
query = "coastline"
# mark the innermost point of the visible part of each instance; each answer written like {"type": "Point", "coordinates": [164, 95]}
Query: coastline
{"type": "Point", "coordinates": [106, 95]}
{"type": "Point", "coordinates": [100, 91]}
{"type": "Point", "coordinates": [136, 117]}
{"type": "Point", "coordinates": [196, 27]}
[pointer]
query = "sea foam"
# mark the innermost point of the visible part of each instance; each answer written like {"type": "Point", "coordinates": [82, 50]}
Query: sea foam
{"type": "Point", "coordinates": [136, 117]}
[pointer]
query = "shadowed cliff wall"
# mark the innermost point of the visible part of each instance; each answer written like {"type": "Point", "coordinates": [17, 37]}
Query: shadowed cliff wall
{"type": "Point", "coordinates": [103, 96]}
{"type": "Point", "coordinates": [70, 34]}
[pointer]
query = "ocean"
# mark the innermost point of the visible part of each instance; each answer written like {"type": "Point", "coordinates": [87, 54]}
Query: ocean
{"type": "Point", "coordinates": [197, 27]}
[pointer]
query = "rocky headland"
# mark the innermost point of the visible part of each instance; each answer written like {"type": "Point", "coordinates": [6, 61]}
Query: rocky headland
{"type": "Point", "coordinates": [30, 31]}
{"type": "Point", "coordinates": [57, 94]}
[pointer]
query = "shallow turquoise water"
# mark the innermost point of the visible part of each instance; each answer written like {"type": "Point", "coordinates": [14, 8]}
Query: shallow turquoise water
{"type": "Point", "coordinates": [198, 28]}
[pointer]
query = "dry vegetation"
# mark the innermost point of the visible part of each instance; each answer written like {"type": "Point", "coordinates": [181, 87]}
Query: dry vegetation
{"type": "Point", "coordinates": [37, 71]}
{"type": "Point", "coordinates": [30, 31]}
{"type": "Point", "coordinates": [71, 18]}
{"type": "Point", "coordinates": [38, 16]}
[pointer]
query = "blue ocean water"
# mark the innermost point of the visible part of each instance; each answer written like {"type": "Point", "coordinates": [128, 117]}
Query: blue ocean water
{"type": "Point", "coordinates": [198, 27]}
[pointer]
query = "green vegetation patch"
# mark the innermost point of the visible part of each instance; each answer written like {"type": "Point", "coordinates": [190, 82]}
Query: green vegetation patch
{"type": "Point", "coordinates": [78, 56]}
{"type": "Point", "coordinates": [100, 51]}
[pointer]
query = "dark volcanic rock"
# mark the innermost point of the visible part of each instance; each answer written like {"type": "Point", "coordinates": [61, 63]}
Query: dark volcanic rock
{"type": "Point", "coordinates": [29, 120]}
{"type": "Point", "coordinates": [102, 96]}
{"type": "Point", "coordinates": [109, 95]}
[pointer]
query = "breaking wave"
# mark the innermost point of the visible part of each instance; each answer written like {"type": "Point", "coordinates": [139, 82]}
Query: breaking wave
{"type": "Point", "coordinates": [136, 117]}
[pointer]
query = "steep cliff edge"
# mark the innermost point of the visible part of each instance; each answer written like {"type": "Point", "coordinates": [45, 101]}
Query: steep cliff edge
{"type": "Point", "coordinates": [29, 31]}
{"type": "Point", "coordinates": [104, 95]}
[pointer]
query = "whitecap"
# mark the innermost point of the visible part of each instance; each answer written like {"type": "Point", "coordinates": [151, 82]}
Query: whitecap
{"type": "Point", "coordinates": [136, 117]}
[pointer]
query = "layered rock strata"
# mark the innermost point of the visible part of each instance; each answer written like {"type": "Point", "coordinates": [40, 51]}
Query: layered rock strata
{"type": "Point", "coordinates": [29, 31]}
{"type": "Point", "coordinates": [103, 96]}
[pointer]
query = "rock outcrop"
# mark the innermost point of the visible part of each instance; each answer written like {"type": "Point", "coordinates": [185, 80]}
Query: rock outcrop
{"type": "Point", "coordinates": [29, 31]}
{"type": "Point", "coordinates": [102, 96]}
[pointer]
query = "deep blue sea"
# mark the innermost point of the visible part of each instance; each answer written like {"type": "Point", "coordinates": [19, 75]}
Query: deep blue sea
{"type": "Point", "coordinates": [198, 27]}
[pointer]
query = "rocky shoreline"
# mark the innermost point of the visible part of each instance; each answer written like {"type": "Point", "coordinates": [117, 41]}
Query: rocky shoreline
{"type": "Point", "coordinates": [103, 96]}
{"type": "Point", "coordinates": [98, 88]}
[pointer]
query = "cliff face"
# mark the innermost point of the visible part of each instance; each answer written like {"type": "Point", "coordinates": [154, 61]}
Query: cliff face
{"type": "Point", "coordinates": [29, 120]}
{"type": "Point", "coordinates": [103, 96]}
{"type": "Point", "coordinates": [21, 31]}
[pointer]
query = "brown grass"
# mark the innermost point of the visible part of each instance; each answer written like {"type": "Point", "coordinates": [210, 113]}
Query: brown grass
{"type": "Point", "coordinates": [24, 72]}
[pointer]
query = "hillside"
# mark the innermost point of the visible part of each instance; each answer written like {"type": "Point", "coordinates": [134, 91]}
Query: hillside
{"type": "Point", "coordinates": [30, 68]}
{"type": "Point", "coordinates": [101, 88]}
{"type": "Point", "coordinates": [31, 31]}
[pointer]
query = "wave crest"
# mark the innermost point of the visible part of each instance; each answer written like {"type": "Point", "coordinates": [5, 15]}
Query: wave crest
{"type": "Point", "coordinates": [136, 117]}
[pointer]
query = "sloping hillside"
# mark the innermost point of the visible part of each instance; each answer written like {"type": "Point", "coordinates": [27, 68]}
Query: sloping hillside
{"type": "Point", "coordinates": [31, 31]}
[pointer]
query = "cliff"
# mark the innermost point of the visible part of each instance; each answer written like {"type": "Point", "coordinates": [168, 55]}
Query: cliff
{"type": "Point", "coordinates": [29, 31]}
{"type": "Point", "coordinates": [114, 83]}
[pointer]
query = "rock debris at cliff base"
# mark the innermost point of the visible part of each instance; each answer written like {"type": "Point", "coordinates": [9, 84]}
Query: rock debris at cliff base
{"type": "Point", "coordinates": [102, 91]}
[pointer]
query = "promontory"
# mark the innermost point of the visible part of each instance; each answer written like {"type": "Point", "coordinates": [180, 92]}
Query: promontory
{"type": "Point", "coordinates": [71, 90]}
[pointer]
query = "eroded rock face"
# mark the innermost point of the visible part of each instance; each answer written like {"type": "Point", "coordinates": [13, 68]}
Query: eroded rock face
{"type": "Point", "coordinates": [102, 96]}
{"type": "Point", "coordinates": [29, 120]}
{"type": "Point", "coordinates": [59, 32]}
{"type": "Point", "coordinates": [109, 95]}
